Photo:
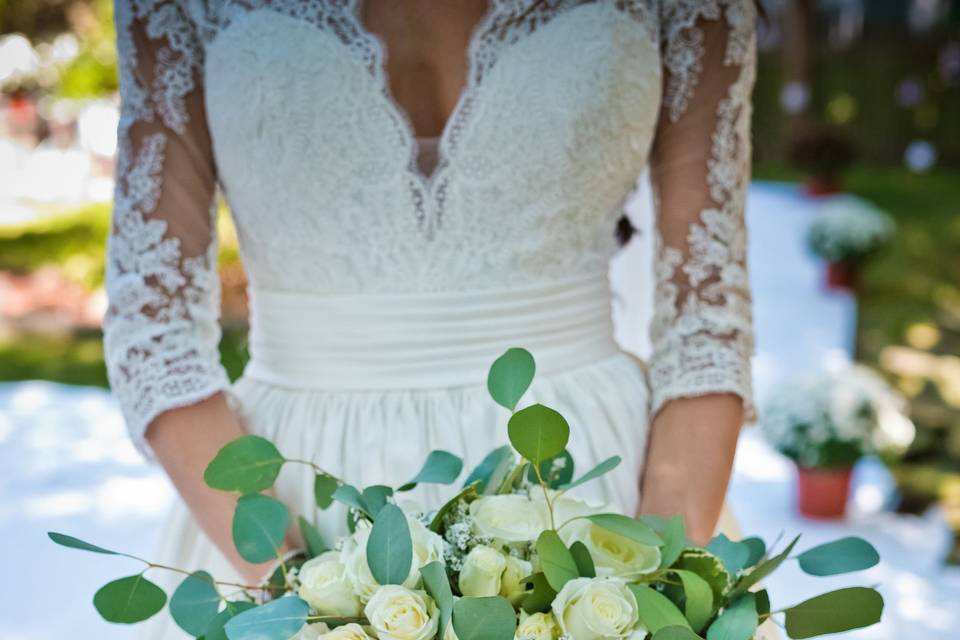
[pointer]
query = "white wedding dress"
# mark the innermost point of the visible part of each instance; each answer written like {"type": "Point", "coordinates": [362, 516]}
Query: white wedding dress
{"type": "Point", "coordinates": [381, 291]}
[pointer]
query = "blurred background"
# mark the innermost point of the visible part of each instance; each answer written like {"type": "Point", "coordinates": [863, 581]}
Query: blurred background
{"type": "Point", "coordinates": [855, 229]}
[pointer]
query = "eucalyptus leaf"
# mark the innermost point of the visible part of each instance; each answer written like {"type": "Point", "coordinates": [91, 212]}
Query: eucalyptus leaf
{"type": "Point", "coordinates": [763, 602]}
{"type": "Point", "coordinates": [349, 495]}
{"type": "Point", "coordinates": [734, 555]}
{"type": "Point", "coordinates": [467, 494]}
{"type": "Point", "coordinates": [757, 550]}
{"type": "Point", "coordinates": [195, 603]}
{"type": "Point", "coordinates": [581, 556]}
{"type": "Point", "coordinates": [628, 527]}
{"type": "Point", "coordinates": [698, 599]}
{"type": "Point", "coordinates": [441, 467]}
{"type": "Point", "coordinates": [389, 547]}
{"type": "Point", "coordinates": [555, 471]}
{"type": "Point", "coordinates": [833, 612]}
{"type": "Point", "coordinates": [604, 467]}
{"type": "Point", "coordinates": [556, 560]}
{"type": "Point", "coordinates": [675, 632]}
{"type": "Point", "coordinates": [129, 600]}
{"type": "Point", "coordinates": [538, 432]}
{"type": "Point", "coordinates": [374, 497]}
{"type": "Point", "coordinates": [259, 526]}
{"type": "Point", "coordinates": [489, 618]}
{"type": "Point", "coordinates": [656, 611]}
{"type": "Point", "coordinates": [709, 567]}
{"type": "Point", "coordinates": [215, 630]}
{"type": "Point", "coordinates": [540, 597]}
{"type": "Point", "coordinates": [738, 621]}
{"type": "Point", "coordinates": [249, 464]}
{"type": "Point", "coordinates": [276, 620]}
{"type": "Point", "coordinates": [839, 556]}
{"type": "Point", "coordinates": [510, 376]}
{"type": "Point", "coordinates": [674, 541]}
{"type": "Point", "coordinates": [491, 469]}
{"type": "Point", "coordinates": [311, 536]}
{"type": "Point", "coordinates": [64, 540]}
{"type": "Point", "coordinates": [763, 570]}
{"type": "Point", "coordinates": [438, 586]}
{"type": "Point", "coordinates": [323, 487]}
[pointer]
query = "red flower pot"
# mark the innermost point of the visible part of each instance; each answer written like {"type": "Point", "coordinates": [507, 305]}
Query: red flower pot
{"type": "Point", "coordinates": [842, 275]}
{"type": "Point", "coordinates": [823, 493]}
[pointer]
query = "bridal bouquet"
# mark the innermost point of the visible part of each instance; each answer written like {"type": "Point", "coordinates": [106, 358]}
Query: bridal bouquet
{"type": "Point", "coordinates": [514, 554]}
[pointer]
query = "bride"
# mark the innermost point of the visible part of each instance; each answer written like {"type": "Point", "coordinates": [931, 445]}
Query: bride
{"type": "Point", "coordinates": [418, 186]}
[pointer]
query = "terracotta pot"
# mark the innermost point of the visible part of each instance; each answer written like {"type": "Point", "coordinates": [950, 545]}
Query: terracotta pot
{"type": "Point", "coordinates": [842, 275]}
{"type": "Point", "coordinates": [823, 493]}
{"type": "Point", "coordinates": [820, 186]}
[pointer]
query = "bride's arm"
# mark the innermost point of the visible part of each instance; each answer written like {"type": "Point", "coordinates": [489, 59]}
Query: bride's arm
{"type": "Point", "coordinates": [162, 327]}
{"type": "Point", "coordinates": [701, 333]}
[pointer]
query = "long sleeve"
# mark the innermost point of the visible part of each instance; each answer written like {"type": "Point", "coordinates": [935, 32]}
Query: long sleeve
{"type": "Point", "coordinates": [701, 332]}
{"type": "Point", "coordinates": [162, 327]}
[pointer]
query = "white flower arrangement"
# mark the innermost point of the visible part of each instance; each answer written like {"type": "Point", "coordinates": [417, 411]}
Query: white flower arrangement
{"type": "Point", "coordinates": [833, 418]}
{"type": "Point", "coordinates": [848, 228]}
{"type": "Point", "coordinates": [511, 556]}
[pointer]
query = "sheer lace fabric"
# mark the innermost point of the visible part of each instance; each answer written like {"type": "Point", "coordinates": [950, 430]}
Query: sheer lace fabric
{"type": "Point", "coordinates": [284, 105]}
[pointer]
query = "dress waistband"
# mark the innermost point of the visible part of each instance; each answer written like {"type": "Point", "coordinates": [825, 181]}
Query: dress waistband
{"type": "Point", "coordinates": [424, 340]}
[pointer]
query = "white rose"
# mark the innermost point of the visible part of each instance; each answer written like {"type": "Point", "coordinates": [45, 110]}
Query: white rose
{"type": "Point", "coordinates": [613, 554]}
{"type": "Point", "coordinates": [510, 586]}
{"type": "Point", "coordinates": [481, 573]}
{"type": "Point", "coordinates": [595, 608]}
{"type": "Point", "coordinates": [311, 631]}
{"type": "Point", "coordinates": [324, 587]}
{"type": "Point", "coordinates": [351, 631]}
{"type": "Point", "coordinates": [537, 626]}
{"type": "Point", "coordinates": [427, 548]}
{"type": "Point", "coordinates": [397, 613]}
{"type": "Point", "coordinates": [507, 518]}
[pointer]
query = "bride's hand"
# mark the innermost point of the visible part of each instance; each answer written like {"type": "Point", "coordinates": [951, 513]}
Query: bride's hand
{"type": "Point", "coordinates": [689, 459]}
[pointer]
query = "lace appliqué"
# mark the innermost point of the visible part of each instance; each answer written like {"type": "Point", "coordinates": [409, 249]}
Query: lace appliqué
{"type": "Point", "coordinates": [702, 331]}
{"type": "Point", "coordinates": [161, 330]}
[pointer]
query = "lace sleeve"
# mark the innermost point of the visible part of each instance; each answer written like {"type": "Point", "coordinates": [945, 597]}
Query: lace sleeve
{"type": "Point", "coordinates": [700, 167]}
{"type": "Point", "coordinates": [162, 328]}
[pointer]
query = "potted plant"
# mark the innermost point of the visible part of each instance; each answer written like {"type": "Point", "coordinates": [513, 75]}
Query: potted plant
{"type": "Point", "coordinates": [824, 154]}
{"type": "Point", "coordinates": [845, 231]}
{"type": "Point", "coordinates": [825, 423]}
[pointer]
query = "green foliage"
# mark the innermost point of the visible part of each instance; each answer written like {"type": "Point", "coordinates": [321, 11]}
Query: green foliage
{"type": "Point", "coordinates": [698, 599]}
{"type": "Point", "coordinates": [738, 621]}
{"type": "Point", "coordinates": [389, 547]}
{"type": "Point", "coordinates": [312, 538]}
{"type": "Point", "coordinates": [249, 464]}
{"type": "Point", "coordinates": [674, 540]}
{"type": "Point", "coordinates": [583, 560]}
{"type": "Point", "coordinates": [764, 569]}
{"type": "Point", "coordinates": [349, 495]}
{"type": "Point", "coordinates": [675, 632]}
{"type": "Point", "coordinates": [604, 467]}
{"type": "Point", "coordinates": [195, 603]}
{"type": "Point", "coordinates": [540, 596]}
{"type": "Point", "coordinates": [437, 584]}
{"type": "Point", "coordinates": [129, 600]}
{"type": "Point", "coordinates": [538, 433]}
{"type": "Point", "coordinates": [375, 497]}
{"type": "Point", "coordinates": [277, 620]}
{"type": "Point", "coordinates": [441, 467]}
{"type": "Point", "coordinates": [555, 472]}
{"type": "Point", "coordinates": [833, 612]}
{"type": "Point", "coordinates": [656, 611]}
{"type": "Point", "coordinates": [839, 556]}
{"type": "Point", "coordinates": [710, 568]}
{"type": "Point", "coordinates": [323, 488]}
{"type": "Point", "coordinates": [636, 530]}
{"type": "Point", "coordinates": [734, 555]}
{"type": "Point", "coordinates": [484, 619]}
{"type": "Point", "coordinates": [215, 631]}
{"type": "Point", "coordinates": [259, 526]}
{"type": "Point", "coordinates": [558, 564]}
{"type": "Point", "coordinates": [492, 469]}
{"type": "Point", "coordinates": [510, 376]}
{"type": "Point", "coordinates": [64, 540]}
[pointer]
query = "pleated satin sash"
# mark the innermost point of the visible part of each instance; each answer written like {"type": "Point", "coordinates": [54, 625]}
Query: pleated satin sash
{"type": "Point", "coordinates": [424, 340]}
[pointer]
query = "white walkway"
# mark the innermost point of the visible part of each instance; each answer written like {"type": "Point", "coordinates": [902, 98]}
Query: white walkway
{"type": "Point", "coordinates": [67, 466]}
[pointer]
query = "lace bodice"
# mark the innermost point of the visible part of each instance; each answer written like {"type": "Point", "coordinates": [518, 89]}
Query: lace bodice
{"type": "Point", "coordinates": [283, 104]}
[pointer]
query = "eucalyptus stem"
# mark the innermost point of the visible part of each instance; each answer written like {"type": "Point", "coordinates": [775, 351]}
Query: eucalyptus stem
{"type": "Point", "coordinates": [223, 583]}
{"type": "Point", "coordinates": [317, 468]}
{"type": "Point", "coordinates": [546, 495]}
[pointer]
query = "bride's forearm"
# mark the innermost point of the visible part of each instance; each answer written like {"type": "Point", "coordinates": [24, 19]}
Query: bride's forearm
{"type": "Point", "coordinates": [184, 441]}
{"type": "Point", "coordinates": [689, 459]}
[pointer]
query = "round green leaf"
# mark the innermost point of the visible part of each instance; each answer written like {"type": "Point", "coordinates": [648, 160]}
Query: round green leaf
{"type": "Point", "coordinates": [492, 469]}
{"type": "Point", "coordinates": [656, 611]}
{"type": "Point", "coordinates": [734, 555]}
{"type": "Point", "coordinates": [249, 464]}
{"type": "Point", "coordinates": [604, 467]}
{"type": "Point", "coordinates": [556, 471]}
{"type": "Point", "coordinates": [323, 488]}
{"type": "Point", "coordinates": [490, 618]}
{"type": "Point", "coordinates": [833, 612]}
{"type": "Point", "coordinates": [375, 496]}
{"type": "Point", "coordinates": [556, 560]}
{"type": "Point", "coordinates": [675, 633]}
{"type": "Point", "coordinates": [64, 540]}
{"type": "Point", "coordinates": [839, 556]}
{"type": "Point", "coordinates": [763, 569]}
{"type": "Point", "coordinates": [195, 603]}
{"type": "Point", "coordinates": [628, 527]}
{"type": "Point", "coordinates": [129, 600]}
{"type": "Point", "coordinates": [215, 629]}
{"type": "Point", "coordinates": [737, 622]}
{"type": "Point", "coordinates": [540, 597]}
{"type": "Point", "coordinates": [259, 526]}
{"type": "Point", "coordinates": [389, 547]}
{"type": "Point", "coordinates": [698, 599]}
{"type": "Point", "coordinates": [276, 620]}
{"type": "Point", "coordinates": [757, 550]}
{"type": "Point", "coordinates": [510, 377]}
{"type": "Point", "coordinates": [441, 467]}
{"type": "Point", "coordinates": [581, 555]}
{"type": "Point", "coordinates": [349, 495]}
{"type": "Point", "coordinates": [538, 432]}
